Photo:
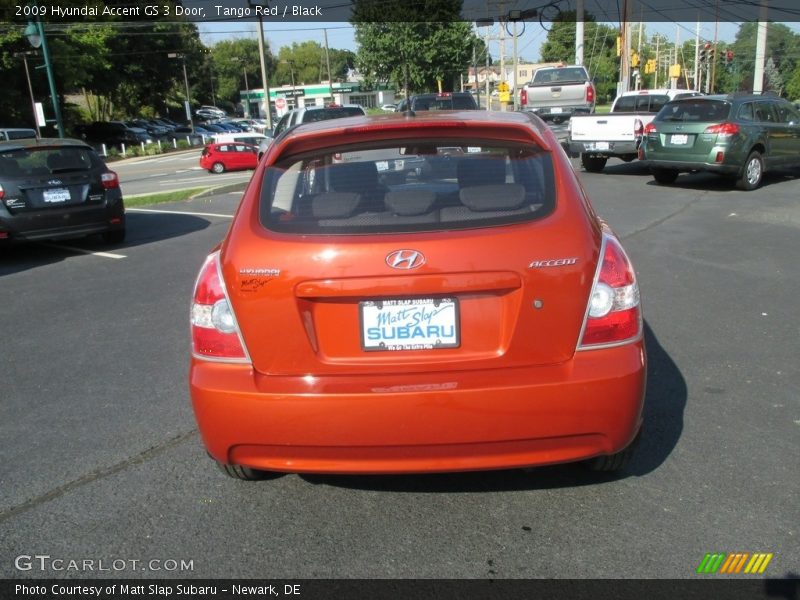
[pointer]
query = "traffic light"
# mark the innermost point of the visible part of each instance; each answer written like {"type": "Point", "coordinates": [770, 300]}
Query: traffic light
{"type": "Point", "coordinates": [619, 46]}
{"type": "Point", "coordinates": [634, 59]}
{"type": "Point", "coordinates": [705, 52]}
{"type": "Point", "coordinates": [729, 57]}
{"type": "Point", "coordinates": [650, 66]}
{"type": "Point", "coordinates": [711, 55]}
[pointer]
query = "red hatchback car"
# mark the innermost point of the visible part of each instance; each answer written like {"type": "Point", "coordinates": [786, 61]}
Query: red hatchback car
{"type": "Point", "coordinates": [473, 314]}
{"type": "Point", "coordinates": [229, 156]}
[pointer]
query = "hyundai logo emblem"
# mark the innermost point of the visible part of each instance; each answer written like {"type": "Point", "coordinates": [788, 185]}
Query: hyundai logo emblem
{"type": "Point", "coordinates": [405, 259]}
{"type": "Point", "coordinates": [55, 182]}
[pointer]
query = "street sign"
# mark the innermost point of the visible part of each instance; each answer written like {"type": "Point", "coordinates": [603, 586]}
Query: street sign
{"type": "Point", "coordinates": [40, 121]}
{"type": "Point", "coordinates": [280, 103]}
{"type": "Point", "coordinates": [188, 108]}
{"type": "Point", "coordinates": [502, 87]}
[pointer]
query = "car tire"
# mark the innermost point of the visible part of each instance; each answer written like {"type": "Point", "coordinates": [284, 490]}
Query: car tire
{"type": "Point", "coordinates": [115, 236]}
{"type": "Point", "coordinates": [217, 168]}
{"type": "Point", "coordinates": [608, 463]}
{"type": "Point", "coordinates": [665, 176]}
{"type": "Point", "coordinates": [752, 172]}
{"type": "Point", "coordinates": [246, 473]}
{"type": "Point", "coordinates": [593, 164]}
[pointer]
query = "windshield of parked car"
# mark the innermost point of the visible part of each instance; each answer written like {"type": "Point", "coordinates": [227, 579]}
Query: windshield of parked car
{"type": "Point", "coordinates": [420, 185]}
{"type": "Point", "coordinates": [31, 162]}
{"type": "Point", "coordinates": [700, 111]}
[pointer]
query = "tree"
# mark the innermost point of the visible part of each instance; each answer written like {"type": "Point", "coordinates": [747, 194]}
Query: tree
{"type": "Point", "coordinates": [229, 60]}
{"type": "Point", "coordinates": [600, 56]}
{"type": "Point", "coordinates": [307, 61]}
{"type": "Point", "coordinates": [783, 45]}
{"type": "Point", "coordinates": [394, 47]}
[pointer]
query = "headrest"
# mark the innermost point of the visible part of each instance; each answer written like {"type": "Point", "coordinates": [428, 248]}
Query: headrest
{"type": "Point", "coordinates": [501, 196]}
{"type": "Point", "coordinates": [409, 202]}
{"type": "Point", "coordinates": [334, 205]}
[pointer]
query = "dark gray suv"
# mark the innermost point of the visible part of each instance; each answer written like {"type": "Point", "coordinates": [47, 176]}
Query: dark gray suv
{"type": "Point", "coordinates": [57, 188]}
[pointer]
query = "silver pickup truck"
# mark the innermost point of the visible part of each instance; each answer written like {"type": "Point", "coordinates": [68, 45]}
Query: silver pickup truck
{"type": "Point", "coordinates": [557, 93]}
{"type": "Point", "coordinates": [596, 138]}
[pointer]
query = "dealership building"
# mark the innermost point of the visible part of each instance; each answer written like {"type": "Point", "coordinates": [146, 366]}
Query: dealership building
{"type": "Point", "coordinates": [287, 97]}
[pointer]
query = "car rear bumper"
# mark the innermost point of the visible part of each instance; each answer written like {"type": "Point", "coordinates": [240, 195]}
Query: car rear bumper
{"type": "Point", "coordinates": [558, 112]}
{"type": "Point", "coordinates": [69, 222]}
{"type": "Point", "coordinates": [588, 406]}
{"type": "Point", "coordinates": [680, 165]}
{"type": "Point", "coordinates": [614, 148]}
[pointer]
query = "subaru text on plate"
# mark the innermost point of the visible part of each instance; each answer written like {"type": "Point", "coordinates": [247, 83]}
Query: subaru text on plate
{"type": "Point", "coordinates": [465, 317]}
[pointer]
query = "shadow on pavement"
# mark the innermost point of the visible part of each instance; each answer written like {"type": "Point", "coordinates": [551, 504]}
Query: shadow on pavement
{"type": "Point", "coordinates": [142, 228]}
{"type": "Point", "coordinates": [665, 403]}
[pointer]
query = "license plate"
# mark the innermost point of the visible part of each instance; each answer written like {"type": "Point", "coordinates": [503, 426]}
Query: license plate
{"type": "Point", "coordinates": [398, 165]}
{"type": "Point", "coordinates": [556, 110]}
{"type": "Point", "coordinates": [56, 195]}
{"type": "Point", "coordinates": [382, 165]}
{"type": "Point", "coordinates": [681, 139]}
{"type": "Point", "coordinates": [601, 145]}
{"type": "Point", "coordinates": [409, 324]}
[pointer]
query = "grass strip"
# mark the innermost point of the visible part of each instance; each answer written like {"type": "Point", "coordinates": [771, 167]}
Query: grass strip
{"type": "Point", "coordinates": [176, 196]}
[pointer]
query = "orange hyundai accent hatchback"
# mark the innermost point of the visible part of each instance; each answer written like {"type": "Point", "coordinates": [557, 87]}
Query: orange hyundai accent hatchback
{"type": "Point", "coordinates": [416, 293]}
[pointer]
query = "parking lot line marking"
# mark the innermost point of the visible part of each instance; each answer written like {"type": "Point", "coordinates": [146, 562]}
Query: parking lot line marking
{"type": "Point", "coordinates": [178, 212]}
{"type": "Point", "coordinates": [83, 251]}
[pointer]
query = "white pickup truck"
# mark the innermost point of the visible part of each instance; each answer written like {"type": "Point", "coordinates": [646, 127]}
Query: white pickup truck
{"type": "Point", "coordinates": [596, 138]}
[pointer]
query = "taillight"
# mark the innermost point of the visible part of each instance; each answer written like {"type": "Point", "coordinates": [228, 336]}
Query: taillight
{"type": "Point", "coordinates": [638, 128]}
{"type": "Point", "coordinates": [215, 332]}
{"type": "Point", "coordinates": [109, 180]}
{"type": "Point", "coordinates": [614, 313]}
{"type": "Point", "coordinates": [590, 93]}
{"type": "Point", "coordinates": [523, 97]}
{"type": "Point", "coordinates": [649, 128]}
{"type": "Point", "coordinates": [2, 192]}
{"type": "Point", "coordinates": [723, 129]}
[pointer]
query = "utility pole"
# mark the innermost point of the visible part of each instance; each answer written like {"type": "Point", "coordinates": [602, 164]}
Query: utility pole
{"type": "Point", "coordinates": [658, 65]}
{"type": "Point", "coordinates": [265, 104]}
{"type": "Point", "coordinates": [761, 50]}
{"type": "Point", "coordinates": [579, 34]}
{"type": "Point", "coordinates": [714, 52]}
{"type": "Point", "coordinates": [328, 63]}
{"type": "Point", "coordinates": [24, 56]}
{"type": "Point", "coordinates": [697, 72]}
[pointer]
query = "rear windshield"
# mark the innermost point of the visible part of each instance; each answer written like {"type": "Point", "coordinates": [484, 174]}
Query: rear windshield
{"type": "Point", "coordinates": [416, 186]}
{"type": "Point", "coordinates": [30, 162]}
{"type": "Point", "coordinates": [646, 103]}
{"type": "Point", "coordinates": [323, 114]}
{"type": "Point", "coordinates": [700, 111]}
{"type": "Point", "coordinates": [445, 103]}
{"type": "Point", "coordinates": [567, 75]}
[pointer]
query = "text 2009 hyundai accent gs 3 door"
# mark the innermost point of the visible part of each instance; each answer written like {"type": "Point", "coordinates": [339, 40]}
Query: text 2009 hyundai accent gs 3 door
{"type": "Point", "coordinates": [472, 313]}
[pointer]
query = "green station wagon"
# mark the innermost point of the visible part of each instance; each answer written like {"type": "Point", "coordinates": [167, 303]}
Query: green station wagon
{"type": "Point", "coordinates": [739, 136]}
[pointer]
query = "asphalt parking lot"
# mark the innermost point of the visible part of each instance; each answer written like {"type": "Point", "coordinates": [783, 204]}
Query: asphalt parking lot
{"type": "Point", "coordinates": [102, 459]}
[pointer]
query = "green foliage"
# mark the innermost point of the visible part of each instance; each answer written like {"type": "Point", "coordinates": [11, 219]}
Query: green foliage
{"type": "Point", "coordinates": [416, 54]}
{"type": "Point", "coordinates": [600, 56]}
{"type": "Point", "coordinates": [229, 60]}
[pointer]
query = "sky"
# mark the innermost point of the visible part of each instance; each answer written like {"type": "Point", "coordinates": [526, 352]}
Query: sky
{"type": "Point", "coordinates": [341, 35]}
